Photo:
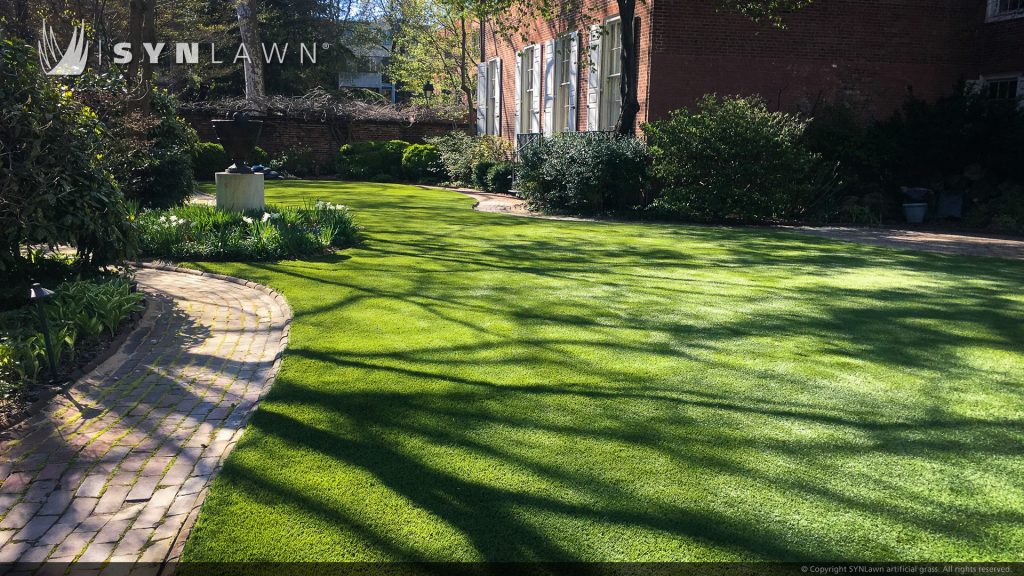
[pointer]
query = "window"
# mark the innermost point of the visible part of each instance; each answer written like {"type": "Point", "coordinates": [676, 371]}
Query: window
{"type": "Point", "coordinates": [611, 73]}
{"type": "Point", "coordinates": [1005, 9]}
{"type": "Point", "coordinates": [563, 83]}
{"type": "Point", "coordinates": [1000, 88]}
{"type": "Point", "coordinates": [491, 96]}
{"type": "Point", "coordinates": [528, 96]}
{"type": "Point", "coordinates": [488, 97]}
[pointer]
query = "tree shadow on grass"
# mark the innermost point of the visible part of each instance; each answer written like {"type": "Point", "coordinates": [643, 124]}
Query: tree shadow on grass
{"type": "Point", "coordinates": [671, 393]}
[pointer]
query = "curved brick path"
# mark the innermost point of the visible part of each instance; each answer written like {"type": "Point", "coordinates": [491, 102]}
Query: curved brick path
{"type": "Point", "coordinates": [115, 468]}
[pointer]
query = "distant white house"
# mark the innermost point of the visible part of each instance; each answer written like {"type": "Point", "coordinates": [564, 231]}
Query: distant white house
{"type": "Point", "coordinates": [366, 69]}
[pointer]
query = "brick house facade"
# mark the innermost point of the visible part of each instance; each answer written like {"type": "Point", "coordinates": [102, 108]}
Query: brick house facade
{"type": "Point", "coordinates": [868, 54]}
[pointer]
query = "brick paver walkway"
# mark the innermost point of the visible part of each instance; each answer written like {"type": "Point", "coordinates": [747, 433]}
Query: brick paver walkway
{"type": "Point", "coordinates": [115, 468]}
{"type": "Point", "coordinates": [922, 240]}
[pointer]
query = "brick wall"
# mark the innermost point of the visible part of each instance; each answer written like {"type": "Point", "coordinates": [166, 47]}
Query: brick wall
{"type": "Point", "coordinates": [869, 54]}
{"type": "Point", "coordinates": [999, 46]}
{"type": "Point", "coordinates": [539, 31]}
{"type": "Point", "coordinates": [325, 138]}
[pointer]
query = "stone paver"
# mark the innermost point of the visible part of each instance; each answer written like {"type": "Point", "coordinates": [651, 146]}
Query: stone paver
{"type": "Point", "coordinates": [116, 467]}
{"type": "Point", "coordinates": [945, 243]}
{"type": "Point", "coordinates": [508, 204]}
{"type": "Point", "coordinates": [488, 202]}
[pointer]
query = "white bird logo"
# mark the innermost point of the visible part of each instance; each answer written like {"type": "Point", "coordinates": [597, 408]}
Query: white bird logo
{"type": "Point", "coordinates": [69, 62]}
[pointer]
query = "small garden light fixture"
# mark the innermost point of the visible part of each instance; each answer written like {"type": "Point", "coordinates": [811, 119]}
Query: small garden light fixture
{"type": "Point", "coordinates": [39, 295]}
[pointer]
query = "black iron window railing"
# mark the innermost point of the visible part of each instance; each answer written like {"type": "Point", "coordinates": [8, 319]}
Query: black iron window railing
{"type": "Point", "coordinates": [527, 138]}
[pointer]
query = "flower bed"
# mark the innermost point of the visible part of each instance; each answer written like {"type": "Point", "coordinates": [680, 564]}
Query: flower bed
{"type": "Point", "coordinates": [83, 316]}
{"type": "Point", "coordinates": [198, 232]}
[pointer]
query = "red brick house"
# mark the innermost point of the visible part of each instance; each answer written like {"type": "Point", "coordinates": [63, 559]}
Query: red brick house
{"type": "Point", "coordinates": [869, 54]}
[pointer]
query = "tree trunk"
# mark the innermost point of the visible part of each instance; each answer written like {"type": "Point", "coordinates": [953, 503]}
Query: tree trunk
{"type": "Point", "coordinates": [141, 28]}
{"type": "Point", "coordinates": [464, 68]}
{"type": "Point", "coordinates": [148, 35]}
{"type": "Point", "coordinates": [248, 27]}
{"type": "Point", "coordinates": [21, 26]}
{"type": "Point", "coordinates": [135, 10]}
{"type": "Point", "coordinates": [628, 78]}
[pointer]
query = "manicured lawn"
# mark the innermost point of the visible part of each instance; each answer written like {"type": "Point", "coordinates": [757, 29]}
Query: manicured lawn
{"type": "Point", "coordinates": [471, 386]}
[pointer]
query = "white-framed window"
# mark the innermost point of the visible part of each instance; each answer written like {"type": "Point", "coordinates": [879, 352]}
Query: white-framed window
{"type": "Point", "coordinates": [611, 74]}
{"type": "Point", "coordinates": [1004, 10]}
{"type": "Point", "coordinates": [1003, 88]}
{"type": "Point", "coordinates": [528, 62]}
{"type": "Point", "coordinates": [493, 96]}
{"type": "Point", "coordinates": [999, 88]}
{"type": "Point", "coordinates": [563, 83]}
{"type": "Point", "coordinates": [527, 87]}
{"type": "Point", "coordinates": [488, 113]}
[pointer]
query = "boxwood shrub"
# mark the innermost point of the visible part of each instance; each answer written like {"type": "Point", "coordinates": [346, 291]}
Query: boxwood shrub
{"type": "Point", "coordinates": [500, 177]}
{"type": "Point", "coordinates": [422, 163]}
{"type": "Point", "coordinates": [208, 159]}
{"type": "Point", "coordinates": [480, 171]}
{"type": "Point", "coordinates": [374, 160]}
{"type": "Point", "coordinates": [583, 173]}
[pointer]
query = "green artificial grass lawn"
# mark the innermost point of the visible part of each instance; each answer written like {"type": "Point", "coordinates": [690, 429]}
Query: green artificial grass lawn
{"type": "Point", "coordinates": [480, 387]}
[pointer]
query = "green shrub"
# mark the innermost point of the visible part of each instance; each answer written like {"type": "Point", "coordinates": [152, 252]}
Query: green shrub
{"type": "Point", "coordinates": [373, 160]}
{"type": "Point", "coordinates": [957, 144]}
{"type": "Point", "coordinates": [457, 156]}
{"type": "Point", "coordinates": [500, 177]}
{"type": "Point", "coordinates": [960, 144]}
{"type": "Point", "coordinates": [298, 161]}
{"type": "Point", "coordinates": [149, 154]}
{"type": "Point", "coordinates": [259, 156]}
{"type": "Point", "coordinates": [460, 153]}
{"type": "Point", "coordinates": [732, 159]}
{"type": "Point", "coordinates": [167, 178]}
{"type": "Point", "coordinates": [208, 159]}
{"type": "Point", "coordinates": [204, 233]}
{"type": "Point", "coordinates": [422, 163]}
{"type": "Point", "coordinates": [583, 173]}
{"type": "Point", "coordinates": [54, 189]}
{"type": "Point", "coordinates": [480, 170]}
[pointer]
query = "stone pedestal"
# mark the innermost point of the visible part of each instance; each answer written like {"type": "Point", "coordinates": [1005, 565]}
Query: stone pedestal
{"type": "Point", "coordinates": [237, 192]}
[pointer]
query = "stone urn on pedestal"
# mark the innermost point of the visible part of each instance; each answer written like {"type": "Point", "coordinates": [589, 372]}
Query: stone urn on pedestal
{"type": "Point", "coordinates": [238, 188]}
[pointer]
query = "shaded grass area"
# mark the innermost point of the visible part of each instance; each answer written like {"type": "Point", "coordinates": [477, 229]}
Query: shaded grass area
{"type": "Point", "coordinates": [470, 386]}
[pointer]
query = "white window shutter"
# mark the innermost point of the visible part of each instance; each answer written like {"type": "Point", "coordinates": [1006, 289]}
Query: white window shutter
{"type": "Point", "coordinates": [549, 87]}
{"type": "Point", "coordinates": [481, 98]}
{"type": "Point", "coordinates": [574, 74]}
{"type": "Point", "coordinates": [535, 109]}
{"type": "Point", "coordinates": [518, 93]}
{"type": "Point", "coordinates": [497, 97]}
{"type": "Point", "coordinates": [594, 79]}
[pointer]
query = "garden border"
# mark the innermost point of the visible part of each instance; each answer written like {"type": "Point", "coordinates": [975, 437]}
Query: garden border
{"type": "Point", "coordinates": [82, 371]}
